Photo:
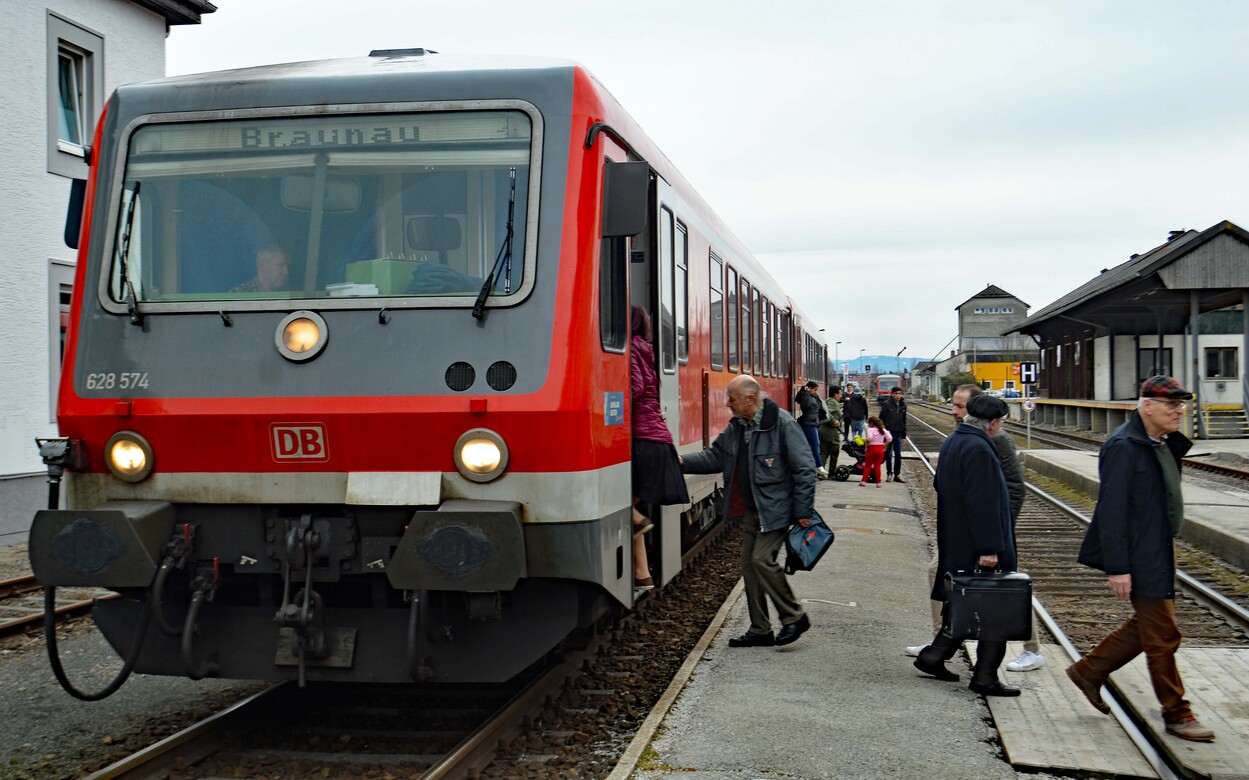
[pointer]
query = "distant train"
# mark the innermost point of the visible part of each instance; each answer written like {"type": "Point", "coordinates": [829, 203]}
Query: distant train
{"type": "Point", "coordinates": [346, 387]}
{"type": "Point", "coordinates": [883, 383]}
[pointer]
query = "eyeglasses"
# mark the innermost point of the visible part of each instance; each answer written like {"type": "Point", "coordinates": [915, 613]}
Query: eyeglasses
{"type": "Point", "coordinates": [1170, 403]}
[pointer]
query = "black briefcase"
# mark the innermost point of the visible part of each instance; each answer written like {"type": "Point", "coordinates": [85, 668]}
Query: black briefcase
{"type": "Point", "coordinates": [992, 605]}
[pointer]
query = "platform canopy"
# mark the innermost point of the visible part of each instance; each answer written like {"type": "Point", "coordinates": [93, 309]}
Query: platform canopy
{"type": "Point", "coordinates": [1152, 292]}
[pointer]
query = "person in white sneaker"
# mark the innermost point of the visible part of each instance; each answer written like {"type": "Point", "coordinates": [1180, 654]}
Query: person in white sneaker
{"type": "Point", "coordinates": [1031, 658]}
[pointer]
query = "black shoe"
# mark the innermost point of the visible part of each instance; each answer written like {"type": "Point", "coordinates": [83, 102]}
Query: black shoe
{"type": "Point", "coordinates": [994, 688]}
{"type": "Point", "coordinates": [938, 671]}
{"type": "Point", "coordinates": [791, 632]}
{"type": "Point", "coordinates": [749, 639]}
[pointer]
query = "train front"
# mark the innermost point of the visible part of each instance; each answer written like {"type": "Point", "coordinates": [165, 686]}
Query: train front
{"type": "Point", "coordinates": [321, 413]}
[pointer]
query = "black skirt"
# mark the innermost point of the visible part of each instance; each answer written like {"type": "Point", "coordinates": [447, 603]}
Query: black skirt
{"type": "Point", "coordinates": [657, 477]}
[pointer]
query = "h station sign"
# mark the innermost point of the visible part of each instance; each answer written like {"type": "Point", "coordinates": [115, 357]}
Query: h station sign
{"type": "Point", "coordinates": [1028, 373]}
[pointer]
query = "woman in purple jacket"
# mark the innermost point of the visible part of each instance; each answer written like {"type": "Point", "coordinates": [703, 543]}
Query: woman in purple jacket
{"type": "Point", "coordinates": [657, 477]}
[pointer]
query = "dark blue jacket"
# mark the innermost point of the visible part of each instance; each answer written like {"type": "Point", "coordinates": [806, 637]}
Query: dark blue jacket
{"type": "Point", "coordinates": [782, 468]}
{"type": "Point", "coordinates": [1131, 532]}
{"type": "Point", "coordinates": [973, 506]}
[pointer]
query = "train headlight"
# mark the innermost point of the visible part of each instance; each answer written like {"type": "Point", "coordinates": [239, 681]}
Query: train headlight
{"type": "Point", "coordinates": [301, 335]}
{"type": "Point", "coordinates": [481, 455]}
{"type": "Point", "coordinates": [128, 456]}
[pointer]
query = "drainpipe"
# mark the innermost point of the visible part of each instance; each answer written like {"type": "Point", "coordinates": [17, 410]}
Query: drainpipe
{"type": "Point", "coordinates": [1194, 331]}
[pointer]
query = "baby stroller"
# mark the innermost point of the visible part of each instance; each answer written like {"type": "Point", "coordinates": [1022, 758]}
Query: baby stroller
{"type": "Point", "coordinates": [857, 449]}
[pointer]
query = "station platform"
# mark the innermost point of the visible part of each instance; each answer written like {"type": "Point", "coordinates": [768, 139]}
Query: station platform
{"type": "Point", "coordinates": [1216, 519]}
{"type": "Point", "coordinates": [844, 701]}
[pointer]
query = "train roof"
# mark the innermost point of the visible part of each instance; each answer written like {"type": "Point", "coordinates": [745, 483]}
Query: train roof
{"type": "Point", "coordinates": [377, 62]}
{"type": "Point", "coordinates": [416, 75]}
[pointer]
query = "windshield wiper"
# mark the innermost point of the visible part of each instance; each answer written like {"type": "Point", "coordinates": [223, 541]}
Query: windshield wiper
{"type": "Point", "coordinates": [131, 300]}
{"type": "Point", "coordinates": [504, 257]}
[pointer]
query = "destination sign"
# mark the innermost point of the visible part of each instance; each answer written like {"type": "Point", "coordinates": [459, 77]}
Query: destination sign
{"type": "Point", "coordinates": [331, 132]}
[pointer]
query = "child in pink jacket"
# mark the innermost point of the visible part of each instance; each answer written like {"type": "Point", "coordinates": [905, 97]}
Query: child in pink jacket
{"type": "Point", "coordinates": [877, 438]}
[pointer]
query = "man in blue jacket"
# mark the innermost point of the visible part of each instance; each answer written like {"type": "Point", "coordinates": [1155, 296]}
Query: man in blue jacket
{"type": "Point", "coordinates": [1139, 512]}
{"type": "Point", "coordinates": [973, 532]}
{"type": "Point", "coordinates": [769, 481]}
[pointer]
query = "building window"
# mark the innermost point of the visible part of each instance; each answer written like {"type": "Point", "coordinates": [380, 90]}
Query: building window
{"type": "Point", "coordinates": [75, 72]}
{"type": "Point", "coordinates": [1221, 363]}
{"type": "Point", "coordinates": [60, 295]}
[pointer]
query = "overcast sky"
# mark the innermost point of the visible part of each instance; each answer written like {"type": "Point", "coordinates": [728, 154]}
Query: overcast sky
{"type": "Point", "coordinates": [887, 160]}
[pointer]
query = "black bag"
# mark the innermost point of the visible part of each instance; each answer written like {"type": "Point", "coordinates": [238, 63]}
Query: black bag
{"type": "Point", "coordinates": [992, 605]}
{"type": "Point", "coordinates": [805, 546]}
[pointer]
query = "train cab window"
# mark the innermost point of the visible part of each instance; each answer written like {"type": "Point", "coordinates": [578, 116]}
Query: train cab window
{"type": "Point", "coordinates": [731, 318]}
{"type": "Point", "coordinates": [420, 208]}
{"type": "Point", "coordinates": [667, 294]}
{"type": "Point", "coordinates": [715, 273]}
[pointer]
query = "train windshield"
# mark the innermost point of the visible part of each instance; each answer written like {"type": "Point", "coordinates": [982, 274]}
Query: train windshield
{"type": "Point", "coordinates": [417, 205]}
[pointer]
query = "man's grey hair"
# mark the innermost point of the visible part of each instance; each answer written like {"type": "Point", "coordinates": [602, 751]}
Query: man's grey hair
{"type": "Point", "coordinates": [977, 422]}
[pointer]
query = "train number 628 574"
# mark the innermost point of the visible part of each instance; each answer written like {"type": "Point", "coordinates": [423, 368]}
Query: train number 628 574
{"type": "Point", "coordinates": [112, 381]}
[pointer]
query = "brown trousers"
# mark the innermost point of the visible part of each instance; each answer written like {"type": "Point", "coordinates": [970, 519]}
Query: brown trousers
{"type": "Point", "coordinates": [765, 578]}
{"type": "Point", "coordinates": [1151, 630]}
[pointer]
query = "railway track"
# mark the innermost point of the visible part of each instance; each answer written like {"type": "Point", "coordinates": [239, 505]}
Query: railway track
{"type": "Point", "coordinates": [1077, 610]}
{"type": "Point", "coordinates": [1059, 439]}
{"type": "Point", "coordinates": [21, 604]}
{"type": "Point", "coordinates": [577, 712]}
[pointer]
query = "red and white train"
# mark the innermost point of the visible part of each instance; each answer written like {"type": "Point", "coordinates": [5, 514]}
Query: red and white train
{"type": "Point", "coordinates": [346, 388]}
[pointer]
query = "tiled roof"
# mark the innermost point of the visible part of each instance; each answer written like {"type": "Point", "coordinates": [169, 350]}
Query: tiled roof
{"type": "Point", "coordinates": [992, 291]}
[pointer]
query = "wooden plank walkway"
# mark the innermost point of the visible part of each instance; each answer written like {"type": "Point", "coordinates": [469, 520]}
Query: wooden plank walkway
{"type": "Point", "coordinates": [1052, 726]}
{"type": "Point", "coordinates": [1216, 683]}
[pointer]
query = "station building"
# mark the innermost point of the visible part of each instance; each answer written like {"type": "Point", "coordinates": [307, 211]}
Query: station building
{"type": "Point", "coordinates": [59, 61]}
{"type": "Point", "coordinates": [1181, 308]}
{"type": "Point", "coordinates": [987, 347]}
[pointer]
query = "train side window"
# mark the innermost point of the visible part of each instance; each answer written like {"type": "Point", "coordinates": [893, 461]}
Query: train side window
{"type": "Point", "coordinates": [614, 294]}
{"type": "Point", "coordinates": [715, 273]}
{"type": "Point", "coordinates": [731, 317]}
{"type": "Point", "coordinates": [667, 294]}
{"type": "Point", "coordinates": [747, 332]}
{"type": "Point", "coordinates": [765, 336]}
{"type": "Point", "coordinates": [681, 264]}
{"type": "Point", "coordinates": [785, 342]}
{"type": "Point", "coordinates": [755, 341]}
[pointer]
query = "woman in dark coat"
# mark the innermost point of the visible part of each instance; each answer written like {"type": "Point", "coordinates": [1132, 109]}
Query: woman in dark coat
{"type": "Point", "coordinates": [657, 477]}
{"type": "Point", "coordinates": [973, 532]}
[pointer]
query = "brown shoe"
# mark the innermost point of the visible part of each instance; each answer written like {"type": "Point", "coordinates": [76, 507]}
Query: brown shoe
{"type": "Point", "coordinates": [899, 479]}
{"type": "Point", "coordinates": [1191, 729]}
{"type": "Point", "coordinates": [1091, 692]}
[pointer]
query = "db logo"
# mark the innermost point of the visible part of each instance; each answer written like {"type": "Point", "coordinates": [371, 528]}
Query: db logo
{"type": "Point", "coordinates": [299, 442]}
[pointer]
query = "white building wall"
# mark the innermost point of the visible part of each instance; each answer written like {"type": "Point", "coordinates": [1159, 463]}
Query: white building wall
{"type": "Point", "coordinates": [1101, 368]}
{"type": "Point", "coordinates": [33, 201]}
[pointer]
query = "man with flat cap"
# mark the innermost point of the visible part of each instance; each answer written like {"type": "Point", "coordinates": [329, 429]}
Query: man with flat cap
{"type": "Point", "coordinates": [1139, 512]}
{"type": "Point", "coordinates": [973, 532]}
